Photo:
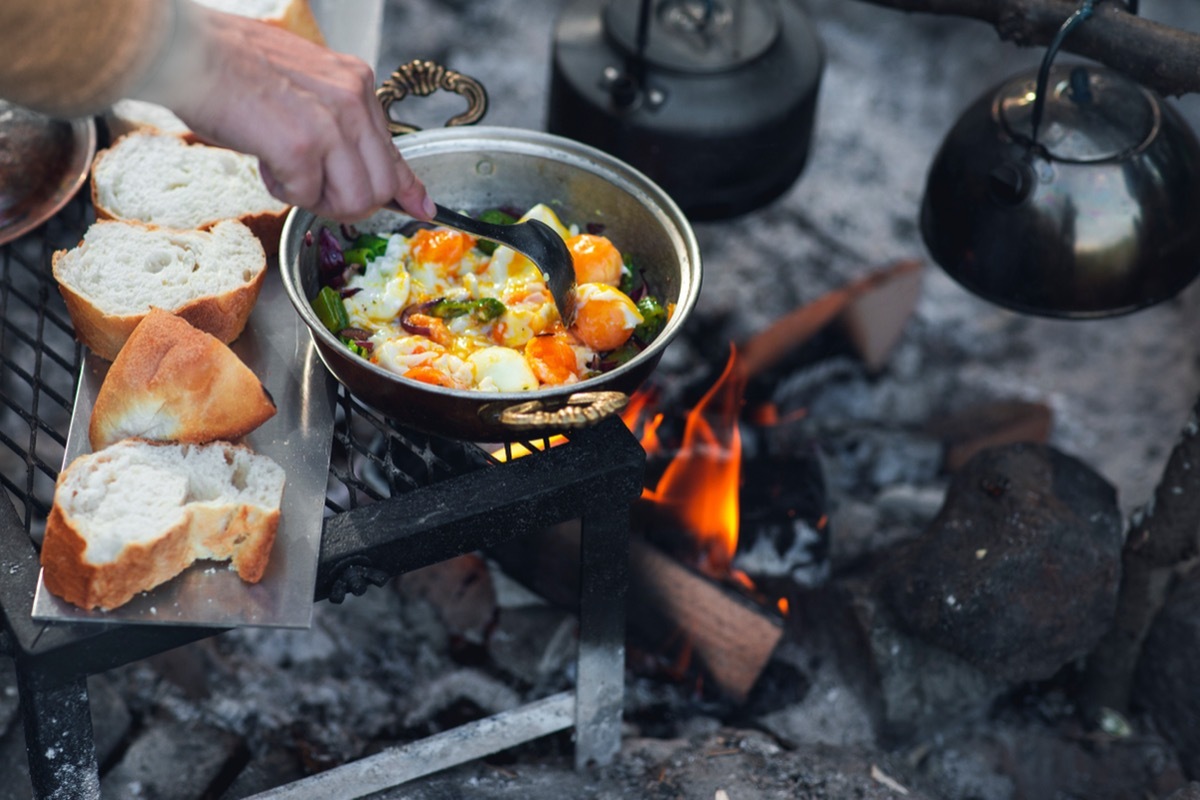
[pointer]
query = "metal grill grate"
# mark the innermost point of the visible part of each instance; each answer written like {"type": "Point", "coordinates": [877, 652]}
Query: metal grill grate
{"type": "Point", "coordinates": [39, 363]}
{"type": "Point", "coordinates": [373, 459]}
{"type": "Point", "coordinates": [460, 510]}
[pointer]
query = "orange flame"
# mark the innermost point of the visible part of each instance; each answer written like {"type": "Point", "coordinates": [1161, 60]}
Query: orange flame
{"type": "Point", "coordinates": [699, 488]}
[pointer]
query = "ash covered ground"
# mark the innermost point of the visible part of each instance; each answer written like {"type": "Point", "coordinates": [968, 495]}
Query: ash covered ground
{"type": "Point", "coordinates": [1120, 389]}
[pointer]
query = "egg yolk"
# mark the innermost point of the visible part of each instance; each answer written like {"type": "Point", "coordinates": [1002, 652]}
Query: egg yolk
{"type": "Point", "coordinates": [596, 259]}
{"type": "Point", "coordinates": [441, 246]}
{"type": "Point", "coordinates": [552, 358]}
{"type": "Point", "coordinates": [427, 373]}
{"type": "Point", "coordinates": [604, 316]}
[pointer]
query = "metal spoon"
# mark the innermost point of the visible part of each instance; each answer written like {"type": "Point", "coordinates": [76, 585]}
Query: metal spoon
{"type": "Point", "coordinates": [533, 239]}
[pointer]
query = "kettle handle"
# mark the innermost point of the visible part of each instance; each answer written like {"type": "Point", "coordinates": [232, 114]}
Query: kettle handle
{"type": "Point", "coordinates": [1080, 15]}
{"type": "Point", "coordinates": [423, 78]}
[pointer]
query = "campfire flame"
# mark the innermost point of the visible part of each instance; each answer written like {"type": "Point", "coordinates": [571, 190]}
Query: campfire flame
{"type": "Point", "coordinates": [700, 486]}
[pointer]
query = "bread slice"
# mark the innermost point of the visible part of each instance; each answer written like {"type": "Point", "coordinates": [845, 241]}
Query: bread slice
{"type": "Point", "coordinates": [121, 270]}
{"type": "Point", "coordinates": [136, 514]}
{"type": "Point", "coordinates": [291, 15]}
{"type": "Point", "coordinates": [162, 179]}
{"type": "Point", "coordinates": [172, 382]}
{"type": "Point", "coordinates": [127, 116]}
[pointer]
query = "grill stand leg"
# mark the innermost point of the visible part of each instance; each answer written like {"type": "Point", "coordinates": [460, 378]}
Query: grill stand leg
{"type": "Point", "coordinates": [600, 682]}
{"type": "Point", "coordinates": [58, 737]}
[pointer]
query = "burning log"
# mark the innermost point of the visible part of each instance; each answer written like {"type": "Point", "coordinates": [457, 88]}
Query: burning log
{"type": "Point", "coordinates": [872, 311]}
{"type": "Point", "coordinates": [728, 637]}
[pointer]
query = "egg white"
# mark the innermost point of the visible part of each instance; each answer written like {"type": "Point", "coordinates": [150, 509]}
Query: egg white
{"type": "Point", "coordinates": [483, 355]}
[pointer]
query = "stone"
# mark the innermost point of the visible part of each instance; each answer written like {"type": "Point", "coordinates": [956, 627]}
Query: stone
{"type": "Point", "coordinates": [1014, 759]}
{"type": "Point", "coordinates": [1018, 573]}
{"type": "Point", "coordinates": [915, 689]}
{"type": "Point", "coordinates": [1165, 682]}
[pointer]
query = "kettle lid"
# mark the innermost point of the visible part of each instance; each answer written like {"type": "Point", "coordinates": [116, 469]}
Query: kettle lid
{"type": "Point", "coordinates": [1089, 113]}
{"type": "Point", "coordinates": [691, 37]}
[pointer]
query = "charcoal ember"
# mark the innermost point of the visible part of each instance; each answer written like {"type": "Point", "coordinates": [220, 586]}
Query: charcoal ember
{"type": "Point", "coordinates": [1165, 682]}
{"type": "Point", "coordinates": [783, 535]}
{"type": "Point", "coordinates": [171, 759]}
{"type": "Point", "coordinates": [1018, 573]}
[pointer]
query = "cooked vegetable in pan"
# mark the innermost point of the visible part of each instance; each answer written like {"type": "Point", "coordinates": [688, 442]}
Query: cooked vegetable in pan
{"type": "Point", "coordinates": [442, 307]}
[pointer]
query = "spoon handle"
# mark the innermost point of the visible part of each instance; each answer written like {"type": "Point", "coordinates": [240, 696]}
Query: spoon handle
{"type": "Point", "coordinates": [475, 227]}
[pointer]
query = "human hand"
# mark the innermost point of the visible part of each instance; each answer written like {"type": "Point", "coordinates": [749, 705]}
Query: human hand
{"type": "Point", "coordinates": [308, 113]}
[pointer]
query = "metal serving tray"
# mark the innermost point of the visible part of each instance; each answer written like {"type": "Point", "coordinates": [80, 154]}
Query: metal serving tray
{"type": "Point", "coordinates": [278, 348]}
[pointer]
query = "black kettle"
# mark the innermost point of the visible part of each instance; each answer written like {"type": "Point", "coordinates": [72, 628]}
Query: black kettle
{"type": "Point", "coordinates": [1070, 191]}
{"type": "Point", "coordinates": [714, 100]}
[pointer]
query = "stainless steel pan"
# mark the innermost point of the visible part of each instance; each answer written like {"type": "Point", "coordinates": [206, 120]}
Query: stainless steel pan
{"type": "Point", "coordinates": [476, 168]}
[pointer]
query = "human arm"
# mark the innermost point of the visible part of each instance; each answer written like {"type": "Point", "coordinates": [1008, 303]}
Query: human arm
{"type": "Point", "coordinates": [309, 114]}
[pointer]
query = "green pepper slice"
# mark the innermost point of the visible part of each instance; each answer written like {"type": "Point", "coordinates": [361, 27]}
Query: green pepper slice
{"type": "Point", "coordinates": [330, 309]}
{"type": "Point", "coordinates": [484, 309]}
{"type": "Point", "coordinates": [654, 318]}
{"type": "Point", "coordinates": [493, 216]}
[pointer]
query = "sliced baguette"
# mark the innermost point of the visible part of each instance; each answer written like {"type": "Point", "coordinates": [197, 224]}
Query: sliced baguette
{"type": "Point", "coordinates": [172, 382]}
{"type": "Point", "coordinates": [291, 15]}
{"type": "Point", "coordinates": [163, 180]}
{"type": "Point", "coordinates": [127, 116]}
{"type": "Point", "coordinates": [136, 514]}
{"type": "Point", "coordinates": [121, 270]}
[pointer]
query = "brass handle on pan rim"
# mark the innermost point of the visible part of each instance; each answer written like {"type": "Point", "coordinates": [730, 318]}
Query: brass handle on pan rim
{"type": "Point", "coordinates": [579, 410]}
{"type": "Point", "coordinates": [423, 78]}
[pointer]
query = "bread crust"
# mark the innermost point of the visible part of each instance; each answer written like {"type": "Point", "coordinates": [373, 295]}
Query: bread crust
{"type": "Point", "coordinates": [68, 575]}
{"type": "Point", "coordinates": [242, 533]}
{"type": "Point", "coordinates": [266, 225]}
{"type": "Point", "coordinates": [224, 316]}
{"type": "Point", "coordinates": [298, 18]}
{"type": "Point", "coordinates": [174, 382]}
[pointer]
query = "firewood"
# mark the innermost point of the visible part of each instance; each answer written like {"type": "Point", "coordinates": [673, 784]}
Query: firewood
{"type": "Point", "coordinates": [990, 425]}
{"type": "Point", "coordinates": [872, 309]}
{"type": "Point", "coordinates": [877, 313]}
{"type": "Point", "coordinates": [730, 637]}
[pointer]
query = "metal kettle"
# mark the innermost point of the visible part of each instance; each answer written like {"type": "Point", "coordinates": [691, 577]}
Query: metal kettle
{"type": "Point", "coordinates": [714, 100]}
{"type": "Point", "coordinates": [1070, 192]}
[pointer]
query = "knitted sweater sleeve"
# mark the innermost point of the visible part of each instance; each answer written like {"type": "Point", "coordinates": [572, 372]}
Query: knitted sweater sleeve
{"type": "Point", "coordinates": [69, 58]}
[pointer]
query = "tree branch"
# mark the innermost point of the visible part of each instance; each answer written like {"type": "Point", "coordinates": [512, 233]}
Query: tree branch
{"type": "Point", "coordinates": [1158, 56]}
{"type": "Point", "coordinates": [1161, 537]}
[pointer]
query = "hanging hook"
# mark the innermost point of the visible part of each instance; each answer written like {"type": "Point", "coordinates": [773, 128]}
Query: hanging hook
{"type": "Point", "coordinates": [1081, 14]}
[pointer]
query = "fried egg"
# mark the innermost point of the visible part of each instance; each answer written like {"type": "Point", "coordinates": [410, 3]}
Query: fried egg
{"type": "Point", "coordinates": [472, 352]}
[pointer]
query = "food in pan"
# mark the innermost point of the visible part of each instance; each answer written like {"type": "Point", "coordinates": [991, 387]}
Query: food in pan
{"type": "Point", "coordinates": [120, 270]}
{"type": "Point", "coordinates": [136, 514]}
{"type": "Point", "coordinates": [441, 307]}
{"type": "Point", "coordinates": [174, 382]}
